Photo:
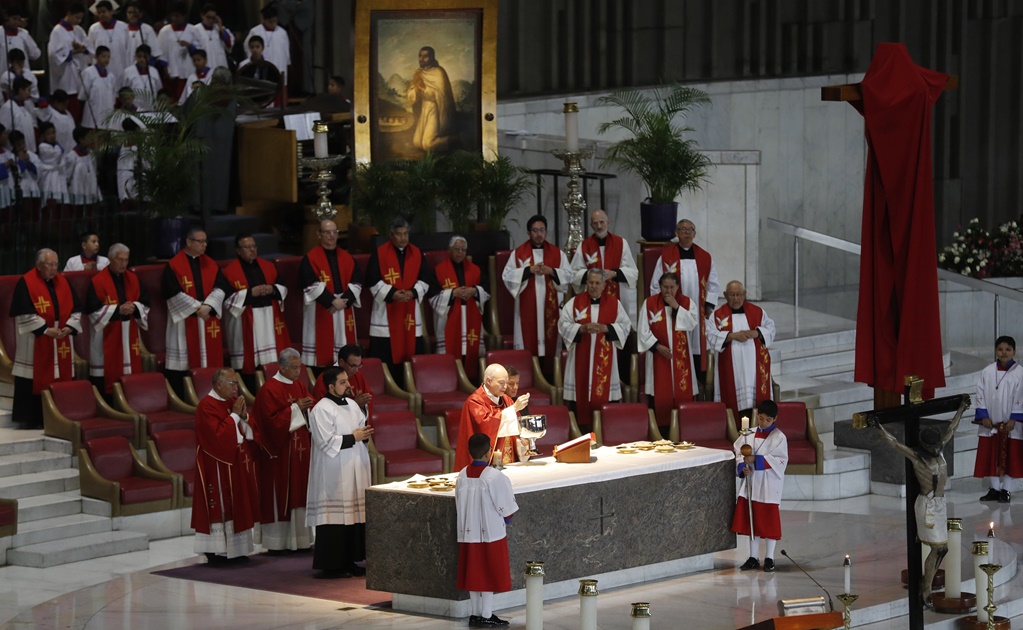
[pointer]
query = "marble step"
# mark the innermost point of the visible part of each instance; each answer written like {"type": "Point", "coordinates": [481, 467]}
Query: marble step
{"type": "Point", "coordinates": [77, 548]}
{"type": "Point", "coordinates": [59, 528]}
{"type": "Point", "coordinates": [822, 342]}
{"type": "Point", "coordinates": [842, 358]}
{"type": "Point", "coordinates": [48, 506]}
{"type": "Point", "coordinates": [846, 475]}
{"type": "Point", "coordinates": [37, 461]}
{"type": "Point", "coordinates": [27, 445]}
{"type": "Point", "coordinates": [34, 484]}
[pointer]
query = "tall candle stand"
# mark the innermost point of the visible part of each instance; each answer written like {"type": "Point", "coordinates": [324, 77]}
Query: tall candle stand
{"type": "Point", "coordinates": [746, 450]}
{"type": "Point", "coordinates": [985, 618]}
{"type": "Point", "coordinates": [574, 204]}
{"type": "Point", "coordinates": [847, 599]}
{"type": "Point", "coordinates": [323, 176]}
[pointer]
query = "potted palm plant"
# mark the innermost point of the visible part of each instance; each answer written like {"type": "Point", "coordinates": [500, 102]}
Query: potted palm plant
{"type": "Point", "coordinates": [503, 186]}
{"type": "Point", "coordinates": [658, 150]}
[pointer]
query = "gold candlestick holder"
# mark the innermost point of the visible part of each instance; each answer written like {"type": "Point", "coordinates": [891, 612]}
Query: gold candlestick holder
{"type": "Point", "coordinates": [574, 203]}
{"type": "Point", "coordinates": [847, 599]}
{"type": "Point", "coordinates": [322, 175]}
{"type": "Point", "coordinates": [993, 622]}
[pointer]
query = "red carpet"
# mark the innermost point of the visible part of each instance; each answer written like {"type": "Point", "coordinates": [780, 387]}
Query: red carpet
{"type": "Point", "coordinates": [291, 574]}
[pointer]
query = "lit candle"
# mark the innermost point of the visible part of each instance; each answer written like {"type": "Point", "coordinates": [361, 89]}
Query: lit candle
{"type": "Point", "coordinates": [954, 559]}
{"type": "Point", "coordinates": [848, 574]}
{"type": "Point", "coordinates": [320, 139]}
{"type": "Point", "coordinates": [980, 556]}
{"type": "Point", "coordinates": [745, 423]}
{"type": "Point", "coordinates": [991, 530]}
{"type": "Point", "coordinates": [571, 126]}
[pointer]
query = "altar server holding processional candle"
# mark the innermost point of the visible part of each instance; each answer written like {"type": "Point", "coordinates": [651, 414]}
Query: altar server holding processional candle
{"type": "Point", "coordinates": [764, 468]}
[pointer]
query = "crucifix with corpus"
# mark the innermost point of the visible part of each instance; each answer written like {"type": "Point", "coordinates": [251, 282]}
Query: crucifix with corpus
{"type": "Point", "coordinates": [898, 329]}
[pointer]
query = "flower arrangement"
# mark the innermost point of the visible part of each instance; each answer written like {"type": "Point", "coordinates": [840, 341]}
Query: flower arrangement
{"type": "Point", "coordinates": [977, 253]}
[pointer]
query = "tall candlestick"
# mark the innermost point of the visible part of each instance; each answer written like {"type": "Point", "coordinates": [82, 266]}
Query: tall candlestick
{"type": "Point", "coordinates": [320, 139]}
{"type": "Point", "coordinates": [588, 605]}
{"type": "Point", "coordinates": [534, 595]}
{"type": "Point", "coordinates": [954, 559]}
{"type": "Point", "coordinates": [745, 423]}
{"type": "Point", "coordinates": [641, 616]}
{"type": "Point", "coordinates": [980, 556]}
{"type": "Point", "coordinates": [848, 574]}
{"type": "Point", "coordinates": [571, 126]}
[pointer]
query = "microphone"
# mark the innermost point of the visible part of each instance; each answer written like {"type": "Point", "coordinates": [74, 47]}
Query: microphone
{"type": "Point", "coordinates": [831, 604]}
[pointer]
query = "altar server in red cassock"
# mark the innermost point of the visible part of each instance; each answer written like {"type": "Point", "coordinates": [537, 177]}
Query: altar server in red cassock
{"type": "Point", "coordinates": [118, 307]}
{"type": "Point", "coordinates": [611, 253]}
{"type": "Point", "coordinates": [253, 317]}
{"type": "Point", "coordinates": [536, 273]}
{"type": "Point", "coordinates": [226, 499]}
{"type": "Point", "coordinates": [194, 289]}
{"type": "Point", "coordinates": [400, 278]}
{"type": "Point", "coordinates": [594, 326]}
{"type": "Point", "coordinates": [332, 289]}
{"type": "Point", "coordinates": [458, 307]}
{"type": "Point", "coordinates": [698, 280]}
{"type": "Point", "coordinates": [741, 333]}
{"type": "Point", "coordinates": [664, 324]}
{"type": "Point", "coordinates": [764, 472]}
{"type": "Point", "coordinates": [46, 313]}
{"type": "Point", "coordinates": [349, 358]}
{"type": "Point", "coordinates": [487, 410]}
{"type": "Point", "coordinates": [279, 425]}
{"type": "Point", "coordinates": [999, 420]}
{"type": "Point", "coordinates": [484, 503]}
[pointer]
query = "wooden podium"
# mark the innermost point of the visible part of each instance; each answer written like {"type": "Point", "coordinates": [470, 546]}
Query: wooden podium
{"type": "Point", "coordinates": [575, 451]}
{"type": "Point", "coordinates": [815, 621]}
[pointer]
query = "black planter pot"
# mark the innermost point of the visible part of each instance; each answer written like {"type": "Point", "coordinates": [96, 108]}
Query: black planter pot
{"type": "Point", "coordinates": [658, 220]}
{"type": "Point", "coordinates": [169, 236]}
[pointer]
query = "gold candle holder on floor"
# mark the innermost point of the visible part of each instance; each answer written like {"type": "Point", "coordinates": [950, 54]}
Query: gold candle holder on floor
{"type": "Point", "coordinates": [847, 599]}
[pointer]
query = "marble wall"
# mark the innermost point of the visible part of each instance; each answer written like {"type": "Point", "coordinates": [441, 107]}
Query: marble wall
{"type": "Point", "coordinates": [809, 172]}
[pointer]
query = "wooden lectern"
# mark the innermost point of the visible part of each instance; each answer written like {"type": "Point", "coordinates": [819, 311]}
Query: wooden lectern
{"type": "Point", "coordinates": [816, 621]}
{"type": "Point", "coordinates": [575, 451]}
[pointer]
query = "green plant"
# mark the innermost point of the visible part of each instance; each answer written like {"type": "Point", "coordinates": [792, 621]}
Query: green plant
{"type": "Point", "coordinates": [421, 188]}
{"type": "Point", "coordinates": [460, 172]}
{"type": "Point", "coordinates": [503, 186]}
{"type": "Point", "coordinates": [658, 150]}
{"type": "Point", "coordinates": [376, 194]}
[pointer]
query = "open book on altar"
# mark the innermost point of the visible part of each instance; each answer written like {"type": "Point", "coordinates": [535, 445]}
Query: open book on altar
{"type": "Point", "coordinates": [575, 451]}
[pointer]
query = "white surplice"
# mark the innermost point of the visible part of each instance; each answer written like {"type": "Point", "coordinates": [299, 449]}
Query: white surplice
{"type": "Point", "coordinates": [481, 505]}
{"type": "Point", "coordinates": [264, 335]}
{"type": "Point", "coordinates": [179, 308]}
{"type": "Point", "coordinates": [744, 356]}
{"type": "Point", "coordinates": [66, 66]}
{"type": "Point", "coordinates": [338, 477]}
{"type": "Point", "coordinates": [684, 319]}
{"type": "Point", "coordinates": [516, 281]}
{"type": "Point", "coordinates": [568, 326]}
{"type": "Point", "coordinates": [98, 320]}
{"type": "Point", "coordinates": [767, 483]}
{"type": "Point", "coordinates": [441, 304]}
{"type": "Point", "coordinates": [1000, 396]}
{"type": "Point", "coordinates": [689, 282]}
{"type": "Point", "coordinates": [116, 39]}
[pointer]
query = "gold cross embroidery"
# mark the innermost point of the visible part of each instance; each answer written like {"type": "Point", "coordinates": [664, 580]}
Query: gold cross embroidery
{"type": "Point", "coordinates": [410, 322]}
{"type": "Point", "coordinates": [472, 337]}
{"type": "Point", "coordinates": [278, 326]}
{"type": "Point", "coordinates": [324, 276]}
{"type": "Point", "coordinates": [449, 284]}
{"type": "Point", "coordinates": [239, 285]}
{"type": "Point", "coordinates": [392, 275]}
{"type": "Point", "coordinates": [186, 283]}
{"type": "Point", "coordinates": [137, 347]}
{"type": "Point", "coordinates": [299, 445]}
{"type": "Point", "coordinates": [213, 329]}
{"type": "Point", "coordinates": [42, 305]}
{"type": "Point", "coordinates": [63, 349]}
{"type": "Point", "coordinates": [110, 301]}
{"type": "Point", "coordinates": [350, 324]}
{"type": "Point", "coordinates": [246, 460]}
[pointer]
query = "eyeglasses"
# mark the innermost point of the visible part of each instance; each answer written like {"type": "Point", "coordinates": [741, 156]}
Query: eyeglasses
{"type": "Point", "coordinates": [201, 241]}
{"type": "Point", "coordinates": [686, 230]}
{"type": "Point", "coordinates": [328, 232]}
{"type": "Point", "coordinates": [354, 366]}
{"type": "Point", "coordinates": [538, 230]}
{"type": "Point", "coordinates": [459, 249]}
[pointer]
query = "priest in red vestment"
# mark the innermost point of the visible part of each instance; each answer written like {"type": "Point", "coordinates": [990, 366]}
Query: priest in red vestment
{"type": "Point", "coordinates": [226, 500]}
{"type": "Point", "coordinates": [118, 307]}
{"type": "Point", "coordinates": [488, 410]}
{"type": "Point", "coordinates": [400, 279]}
{"type": "Point", "coordinates": [349, 358]}
{"type": "Point", "coordinates": [332, 286]}
{"type": "Point", "coordinates": [46, 313]}
{"type": "Point", "coordinates": [664, 324]}
{"type": "Point", "coordinates": [458, 307]}
{"type": "Point", "coordinates": [279, 425]}
{"type": "Point", "coordinates": [253, 317]}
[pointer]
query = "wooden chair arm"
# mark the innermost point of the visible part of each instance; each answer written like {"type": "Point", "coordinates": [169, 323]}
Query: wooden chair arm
{"type": "Point", "coordinates": [410, 380]}
{"type": "Point", "coordinates": [708, 386]}
{"type": "Point", "coordinates": [260, 378]}
{"type": "Point", "coordinates": [540, 382]}
{"type": "Point", "coordinates": [464, 384]}
{"type": "Point", "coordinates": [6, 365]}
{"type": "Point", "coordinates": [815, 439]}
{"type": "Point", "coordinates": [442, 434]}
{"type": "Point", "coordinates": [597, 429]}
{"type": "Point", "coordinates": [559, 377]}
{"type": "Point", "coordinates": [733, 432]}
{"type": "Point", "coordinates": [109, 412]}
{"type": "Point", "coordinates": [154, 460]}
{"type": "Point", "coordinates": [250, 398]}
{"type": "Point", "coordinates": [375, 463]}
{"type": "Point", "coordinates": [573, 427]}
{"type": "Point", "coordinates": [140, 468]}
{"type": "Point", "coordinates": [176, 404]}
{"type": "Point", "coordinates": [425, 444]}
{"type": "Point", "coordinates": [56, 425]}
{"type": "Point", "coordinates": [634, 374]}
{"type": "Point", "coordinates": [191, 397]}
{"type": "Point", "coordinates": [92, 484]}
{"type": "Point", "coordinates": [121, 401]}
{"type": "Point", "coordinates": [674, 427]}
{"type": "Point", "coordinates": [655, 432]}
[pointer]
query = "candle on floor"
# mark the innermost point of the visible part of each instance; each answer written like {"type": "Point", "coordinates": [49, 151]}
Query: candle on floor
{"type": "Point", "coordinates": [954, 559]}
{"type": "Point", "coordinates": [534, 595]}
{"type": "Point", "coordinates": [848, 574]}
{"type": "Point", "coordinates": [745, 423]}
{"type": "Point", "coordinates": [571, 126]}
{"type": "Point", "coordinates": [641, 616]}
{"type": "Point", "coordinates": [980, 556]}
{"type": "Point", "coordinates": [588, 605]}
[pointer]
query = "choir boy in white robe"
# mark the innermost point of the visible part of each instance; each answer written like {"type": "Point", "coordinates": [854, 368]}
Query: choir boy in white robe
{"type": "Point", "coordinates": [52, 180]}
{"type": "Point", "coordinates": [276, 45]}
{"type": "Point", "coordinates": [999, 420]}
{"type": "Point", "coordinates": [56, 111]}
{"type": "Point", "coordinates": [201, 75]}
{"type": "Point", "coordinates": [741, 333]}
{"type": "Point", "coordinates": [177, 41]}
{"type": "Point", "coordinates": [99, 92]}
{"type": "Point", "coordinates": [90, 258]}
{"type": "Point", "coordinates": [80, 168]}
{"type": "Point", "coordinates": [764, 474]}
{"type": "Point", "coordinates": [110, 32]}
{"type": "Point", "coordinates": [484, 503]}
{"type": "Point", "coordinates": [663, 340]}
{"type": "Point", "coordinates": [17, 38]}
{"type": "Point", "coordinates": [143, 79]}
{"type": "Point", "coordinates": [594, 326]}
{"type": "Point", "coordinates": [69, 53]}
{"type": "Point", "coordinates": [217, 39]}
{"type": "Point", "coordinates": [18, 111]}
{"type": "Point", "coordinates": [339, 473]}
{"type": "Point", "coordinates": [536, 274]}
{"type": "Point", "coordinates": [140, 34]}
{"type": "Point", "coordinates": [18, 70]}
{"type": "Point", "coordinates": [28, 166]}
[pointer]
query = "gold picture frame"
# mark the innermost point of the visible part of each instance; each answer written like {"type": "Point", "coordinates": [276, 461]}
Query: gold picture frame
{"type": "Point", "coordinates": [425, 78]}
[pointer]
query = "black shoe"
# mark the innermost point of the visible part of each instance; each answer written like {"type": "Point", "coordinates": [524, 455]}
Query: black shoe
{"type": "Point", "coordinates": [1004, 496]}
{"type": "Point", "coordinates": [992, 495]}
{"type": "Point", "coordinates": [474, 621]}
{"type": "Point", "coordinates": [332, 575]}
{"type": "Point", "coordinates": [768, 565]}
{"type": "Point", "coordinates": [750, 565]}
{"type": "Point", "coordinates": [492, 622]}
{"type": "Point", "coordinates": [356, 570]}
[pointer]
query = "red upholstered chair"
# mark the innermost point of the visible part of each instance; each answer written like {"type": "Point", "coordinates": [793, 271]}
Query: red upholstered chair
{"type": "Point", "coordinates": [561, 426]}
{"type": "Point", "coordinates": [150, 397]}
{"type": "Point", "coordinates": [268, 371]}
{"type": "Point", "coordinates": [366, 300]}
{"type": "Point", "coordinates": [806, 452]}
{"type": "Point", "coordinates": [447, 429]}
{"type": "Point", "coordinates": [387, 396]}
{"type": "Point", "coordinates": [199, 383]}
{"type": "Point", "coordinates": [173, 453]}
{"type": "Point", "coordinates": [706, 424]}
{"type": "Point", "coordinates": [440, 382]}
{"type": "Point", "coordinates": [531, 378]}
{"type": "Point", "coordinates": [154, 339]}
{"type": "Point", "coordinates": [501, 316]}
{"type": "Point", "coordinates": [76, 412]}
{"type": "Point", "coordinates": [110, 470]}
{"type": "Point", "coordinates": [287, 275]}
{"type": "Point", "coordinates": [8, 517]}
{"type": "Point", "coordinates": [8, 331]}
{"type": "Point", "coordinates": [399, 449]}
{"type": "Point", "coordinates": [618, 423]}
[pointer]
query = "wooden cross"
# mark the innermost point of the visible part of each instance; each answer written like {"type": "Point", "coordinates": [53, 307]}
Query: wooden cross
{"type": "Point", "coordinates": [392, 275]}
{"type": "Point", "coordinates": [910, 412]}
{"type": "Point", "coordinates": [42, 305]}
{"type": "Point", "coordinates": [601, 516]}
{"type": "Point", "coordinates": [186, 284]}
{"type": "Point", "coordinates": [213, 329]}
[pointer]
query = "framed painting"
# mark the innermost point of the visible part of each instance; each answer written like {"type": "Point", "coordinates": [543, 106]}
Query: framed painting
{"type": "Point", "coordinates": [425, 78]}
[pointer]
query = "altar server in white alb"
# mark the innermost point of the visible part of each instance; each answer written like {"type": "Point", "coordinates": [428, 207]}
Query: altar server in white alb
{"type": "Point", "coordinates": [610, 252]}
{"type": "Point", "coordinates": [90, 257]}
{"type": "Point", "coordinates": [276, 45]}
{"type": "Point", "coordinates": [339, 474]}
{"type": "Point", "coordinates": [764, 472]}
{"type": "Point", "coordinates": [594, 326]}
{"type": "Point", "coordinates": [484, 503]}
{"type": "Point", "coordinates": [217, 39]}
{"type": "Point", "coordinates": [112, 33]}
{"type": "Point", "coordinates": [998, 416]}
{"type": "Point", "coordinates": [537, 273]}
{"type": "Point", "coordinates": [69, 53]}
{"type": "Point", "coordinates": [741, 333]}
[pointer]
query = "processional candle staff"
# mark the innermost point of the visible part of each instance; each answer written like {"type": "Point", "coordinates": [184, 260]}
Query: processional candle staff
{"type": "Point", "coordinates": [746, 450]}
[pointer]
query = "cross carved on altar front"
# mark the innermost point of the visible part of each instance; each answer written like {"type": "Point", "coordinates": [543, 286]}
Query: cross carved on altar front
{"type": "Point", "coordinates": [601, 516]}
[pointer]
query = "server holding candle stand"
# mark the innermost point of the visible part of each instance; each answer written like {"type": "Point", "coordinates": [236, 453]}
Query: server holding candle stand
{"type": "Point", "coordinates": [765, 467]}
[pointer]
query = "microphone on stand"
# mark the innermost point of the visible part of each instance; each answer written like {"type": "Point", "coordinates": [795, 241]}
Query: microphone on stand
{"type": "Point", "coordinates": [831, 605]}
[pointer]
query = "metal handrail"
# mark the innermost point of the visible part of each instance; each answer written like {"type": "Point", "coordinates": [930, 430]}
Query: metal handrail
{"type": "Point", "coordinates": [805, 234]}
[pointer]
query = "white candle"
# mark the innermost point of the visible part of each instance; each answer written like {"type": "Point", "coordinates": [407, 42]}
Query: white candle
{"type": "Point", "coordinates": [745, 423]}
{"type": "Point", "coordinates": [534, 596]}
{"type": "Point", "coordinates": [848, 574]}
{"type": "Point", "coordinates": [641, 616]}
{"type": "Point", "coordinates": [980, 556]}
{"type": "Point", "coordinates": [588, 605]}
{"type": "Point", "coordinates": [320, 139]}
{"type": "Point", "coordinates": [571, 126]}
{"type": "Point", "coordinates": [954, 559]}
